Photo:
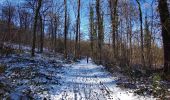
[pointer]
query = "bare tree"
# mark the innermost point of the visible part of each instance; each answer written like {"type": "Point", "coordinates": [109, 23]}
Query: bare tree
{"type": "Point", "coordinates": [65, 29]}
{"type": "Point", "coordinates": [35, 27]}
{"type": "Point", "coordinates": [91, 26]}
{"type": "Point", "coordinates": [46, 5]}
{"type": "Point", "coordinates": [100, 29]}
{"type": "Point", "coordinates": [77, 31]}
{"type": "Point", "coordinates": [165, 21]}
{"type": "Point", "coordinates": [8, 12]}
{"type": "Point", "coordinates": [141, 32]}
{"type": "Point", "coordinates": [147, 42]}
{"type": "Point", "coordinates": [113, 15]}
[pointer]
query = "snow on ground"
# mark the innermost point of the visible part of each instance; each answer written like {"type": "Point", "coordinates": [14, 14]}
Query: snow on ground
{"type": "Point", "coordinates": [48, 76]}
{"type": "Point", "coordinates": [87, 81]}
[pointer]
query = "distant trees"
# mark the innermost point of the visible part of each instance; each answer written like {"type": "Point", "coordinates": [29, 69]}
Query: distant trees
{"type": "Point", "coordinates": [114, 36]}
{"type": "Point", "coordinates": [24, 18]}
{"type": "Point", "coordinates": [129, 45]}
{"type": "Point", "coordinates": [165, 21]}
{"type": "Point", "coordinates": [8, 14]}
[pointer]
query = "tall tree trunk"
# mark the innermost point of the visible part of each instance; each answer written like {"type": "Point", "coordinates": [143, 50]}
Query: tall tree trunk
{"type": "Point", "coordinates": [91, 21]}
{"type": "Point", "coordinates": [9, 26]}
{"type": "Point", "coordinates": [151, 30]}
{"type": "Point", "coordinates": [52, 35]}
{"type": "Point", "coordinates": [77, 31]}
{"type": "Point", "coordinates": [35, 27]}
{"type": "Point", "coordinates": [79, 40]}
{"type": "Point", "coordinates": [65, 30]}
{"type": "Point", "coordinates": [42, 34]}
{"type": "Point", "coordinates": [130, 40]}
{"type": "Point", "coordinates": [99, 23]}
{"type": "Point", "coordinates": [141, 32]}
{"type": "Point", "coordinates": [165, 21]}
{"type": "Point", "coordinates": [147, 43]}
{"type": "Point", "coordinates": [113, 15]}
{"type": "Point", "coordinates": [55, 34]}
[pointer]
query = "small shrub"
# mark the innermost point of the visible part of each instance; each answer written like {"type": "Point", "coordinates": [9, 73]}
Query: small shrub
{"type": "Point", "coordinates": [158, 89]}
{"type": "Point", "coordinates": [156, 83]}
{"type": "Point", "coordinates": [5, 51]}
{"type": "Point", "coordinates": [19, 51]}
{"type": "Point", "coordinates": [2, 68]}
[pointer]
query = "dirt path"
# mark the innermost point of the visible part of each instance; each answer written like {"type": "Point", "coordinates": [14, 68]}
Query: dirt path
{"type": "Point", "coordinates": [87, 81]}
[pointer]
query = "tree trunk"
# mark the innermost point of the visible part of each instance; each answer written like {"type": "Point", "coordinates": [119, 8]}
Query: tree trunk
{"type": "Point", "coordinates": [100, 29]}
{"type": "Point", "coordinates": [91, 21]}
{"type": "Point", "coordinates": [113, 14]}
{"type": "Point", "coordinates": [165, 21]}
{"type": "Point", "coordinates": [77, 31]}
{"type": "Point", "coordinates": [147, 44]}
{"type": "Point", "coordinates": [35, 27]}
{"type": "Point", "coordinates": [141, 34]}
{"type": "Point", "coordinates": [55, 34]}
{"type": "Point", "coordinates": [42, 35]}
{"type": "Point", "coordinates": [65, 30]}
{"type": "Point", "coordinates": [79, 40]}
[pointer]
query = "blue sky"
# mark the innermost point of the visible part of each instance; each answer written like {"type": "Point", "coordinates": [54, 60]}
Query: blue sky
{"type": "Point", "coordinates": [13, 1]}
{"type": "Point", "coordinates": [85, 12]}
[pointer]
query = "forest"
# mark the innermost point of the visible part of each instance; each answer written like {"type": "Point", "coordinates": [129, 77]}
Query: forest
{"type": "Point", "coordinates": [84, 49]}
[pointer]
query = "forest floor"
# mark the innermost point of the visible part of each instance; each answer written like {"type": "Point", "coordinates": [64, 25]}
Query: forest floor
{"type": "Point", "coordinates": [50, 77]}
